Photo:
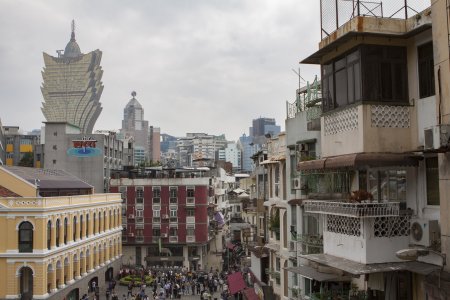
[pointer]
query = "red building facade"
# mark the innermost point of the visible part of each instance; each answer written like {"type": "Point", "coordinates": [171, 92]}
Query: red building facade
{"type": "Point", "coordinates": [165, 220]}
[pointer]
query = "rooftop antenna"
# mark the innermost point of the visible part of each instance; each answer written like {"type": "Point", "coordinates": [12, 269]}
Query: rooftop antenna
{"type": "Point", "coordinates": [72, 35]}
{"type": "Point", "coordinates": [300, 78]}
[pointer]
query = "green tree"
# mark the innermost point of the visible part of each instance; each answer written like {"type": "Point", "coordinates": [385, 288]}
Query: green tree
{"type": "Point", "coordinates": [27, 160]}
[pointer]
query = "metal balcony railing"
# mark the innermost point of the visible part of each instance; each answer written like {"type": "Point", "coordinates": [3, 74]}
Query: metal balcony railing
{"type": "Point", "coordinates": [190, 239]}
{"type": "Point", "coordinates": [190, 201]}
{"type": "Point", "coordinates": [335, 13]}
{"type": "Point", "coordinates": [356, 210]}
{"type": "Point", "coordinates": [173, 239]}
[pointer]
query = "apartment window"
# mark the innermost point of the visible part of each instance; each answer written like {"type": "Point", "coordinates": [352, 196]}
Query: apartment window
{"type": "Point", "coordinates": [173, 231]}
{"type": "Point", "coordinates": [139, 195]}
{"type": "Point", "coordinates": [54, 161]}
{"type": "Point", "coordinates": [156, 213]}
{"type": "Point", "coordinates": [173, 213]}
{"type": "Point", "coordinates": [426, 70]}
{"type": "Point", "coordinates": [190, 212]}
{"type": "Point", "coordinates": [387, 185]}
{"type": "Point", "coordinates": [369, 73]}
{"type": "Point", "coordinates": [139, 212]}
{"type": "Point", "coordinates": [190, 230]}
{"type": "Point", "coordinates": [173, 191]}
{"type": "Point", "coordinates": [54, 147]}
{"type": "Point", "coordinates": [123, 193]}
{"type": "Point", "coordinates": [25, 237]}
{"type": "Point", "coordinates": [55, 133]}
{"type": "Point", "coordinates": [190, 191]}
{"type": "Point", "coordinates": [156, 232]}
{"type": "Point", "coordinates": [156, 195]}
{"type": "Point", "coordinates": [432, 179]}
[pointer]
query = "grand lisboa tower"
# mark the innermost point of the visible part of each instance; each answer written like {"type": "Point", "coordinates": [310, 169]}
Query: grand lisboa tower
{"type": "Point", "coordinates": [72, 86]}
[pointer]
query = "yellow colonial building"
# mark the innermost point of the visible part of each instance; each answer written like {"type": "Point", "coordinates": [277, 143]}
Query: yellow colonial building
{"type": "Point", "coordinates": [56, 237]}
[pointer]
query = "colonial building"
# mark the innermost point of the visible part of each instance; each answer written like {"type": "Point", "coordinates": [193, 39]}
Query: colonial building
{"type": "Point", "coordinates": [58, 237]}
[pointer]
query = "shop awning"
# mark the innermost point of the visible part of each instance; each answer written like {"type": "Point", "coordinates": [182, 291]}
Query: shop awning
{"type": "Point", "coordinates": [250, 294]}
{"type": "Point", "coordinates": [317, 164]}
{"type": "Point", "coordinates": [359, 160]}
{"type": "Point", "coordinates": [356, 268]}
{"type": "Point", "coordinates": [311, 273]}
{"type": "Point", "coordinates": [236, 283]}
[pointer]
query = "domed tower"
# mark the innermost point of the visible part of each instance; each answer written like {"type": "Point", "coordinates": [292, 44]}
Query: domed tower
{"type": "Point", "coordinates": [72, 86]}
{"type": "Point", "coordinates": [133, 124]}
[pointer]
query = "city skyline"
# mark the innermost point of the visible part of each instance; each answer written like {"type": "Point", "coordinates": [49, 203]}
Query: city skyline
{"type": "Point", "coordinates": [200, 67]}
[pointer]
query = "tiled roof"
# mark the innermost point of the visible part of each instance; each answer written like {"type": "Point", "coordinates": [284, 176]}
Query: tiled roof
{"type": "Point", "coordinates": [4, 192]}
{"type": "Point", "coordinates": [48, 179]}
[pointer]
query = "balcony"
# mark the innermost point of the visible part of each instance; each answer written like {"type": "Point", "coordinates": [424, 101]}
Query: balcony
{"type": "Point", "coordinates": [155, 239]}
{"type": "Point", "coordinates": [139, 225]}
{"type": "Point", "coordinates": [356, 231]}
{"type": "Point", "coordinates": [355, 210]}
{"type": "Point", "coordinates": [139, 239]}
{"type": "Point", "coordinates": [190, 239]}
{"type": "Point", "coordinates": [173, 200]}
{"type": "Point", "coordinates": [190, 220]}
{"type": "Point", "coordinates": [190, 201]}
{"type": "Point", "coordinates": [173, 239]}
{"type": "Point", "coordinates": [173, 220]}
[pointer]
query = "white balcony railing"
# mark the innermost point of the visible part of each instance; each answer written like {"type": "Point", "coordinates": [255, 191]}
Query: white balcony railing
{"type": "Point", "coordinates": [139, 225]}
{"type": "Point", "coordinates": [190, 239]}
{"type": "Point", "coordinates": [356, 210]}
{"type": "Point", "coordinates": [173, 239]}
{"type": "Point", "coordinates": [190, 220]}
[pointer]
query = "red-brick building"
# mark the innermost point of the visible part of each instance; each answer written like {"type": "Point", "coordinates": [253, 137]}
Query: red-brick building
{"type": "Point", "coordinates": [165, 220]}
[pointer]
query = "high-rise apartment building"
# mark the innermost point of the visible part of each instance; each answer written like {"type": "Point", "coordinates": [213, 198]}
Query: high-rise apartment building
{"type": "Point", "coordinates": [133, 124]}
{"type": "Point", "coordinates": [72, 86]}
{"type": "Point", "coordinates": [154, 143]}
{"type": "Point", "coordinates": [18, 146]}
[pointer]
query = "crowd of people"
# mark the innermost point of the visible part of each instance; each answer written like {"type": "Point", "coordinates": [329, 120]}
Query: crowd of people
{"type": "Point", "coordinates": [172, 284]}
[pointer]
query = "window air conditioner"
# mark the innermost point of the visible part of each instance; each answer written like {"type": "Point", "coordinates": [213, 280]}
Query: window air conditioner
{"type": "Point", "coordinates": [436, 137]}
{"type": "Point", "coordinates": [424, 232]}
{"type": "Point", "coordinates": [296, 183]}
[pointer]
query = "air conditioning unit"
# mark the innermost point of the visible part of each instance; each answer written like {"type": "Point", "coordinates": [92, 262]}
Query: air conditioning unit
{"type": "Point", "coordinates": [296, 183]}
{"type": "Point", "coordinates": [436, 137]}
{"type": "Point", "coordinates": [131, 234]}
{"type": "Point", "coordinates": [131, 217]}
{"type": "Point", "coordinates": [164, 235]}
{"type": "Point", "coordinates": [424, 232]}
{"type": "Point", "coordinates": [165, 216]}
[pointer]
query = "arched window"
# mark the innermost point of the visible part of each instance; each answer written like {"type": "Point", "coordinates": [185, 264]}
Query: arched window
{"type": "Point", "coordinates": [81, 227]}
{"type": "Point", "coordinates": [66, 223]}
{"type": "Point", "coordinates": [104, 221]}
{"type": "Point", "coordinates": [99, 221]}
{"type": "Point", "coordinates": [49, 234]}
{"type": "Point", "coordinates": [25, 237]}
{"type": "Point", "coordinates": [57, 232]}
{"type": "Point", "coordinates": [26, 283]}
{"type": "Point", "coordinates": [94, 230]}
{"type": "Point", "coordinates": [87, 225]}
{"type": "Point", "coordinates": [74, 227]}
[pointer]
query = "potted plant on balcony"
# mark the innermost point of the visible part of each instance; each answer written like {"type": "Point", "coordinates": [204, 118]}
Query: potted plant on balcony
{"type": "Point", "coordinates": [360, 195]}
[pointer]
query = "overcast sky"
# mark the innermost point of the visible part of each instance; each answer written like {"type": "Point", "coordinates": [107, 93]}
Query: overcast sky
{"type": "Point", "coordinates": [197, 65]}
